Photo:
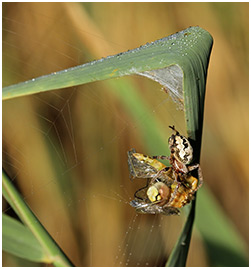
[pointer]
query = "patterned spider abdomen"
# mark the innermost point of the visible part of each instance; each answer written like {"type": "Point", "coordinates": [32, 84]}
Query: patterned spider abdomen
{"type": "Point", "coordinates": [180, 147]}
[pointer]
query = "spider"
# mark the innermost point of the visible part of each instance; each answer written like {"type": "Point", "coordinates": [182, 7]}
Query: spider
{"type": "Point", "coordinates": [163, 194]}
{"type": "Point", "coordinates": [181, 155]}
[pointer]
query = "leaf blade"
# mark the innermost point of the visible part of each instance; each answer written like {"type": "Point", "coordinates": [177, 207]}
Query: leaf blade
{"type": "Point", "coordinates": [158, 54]}
{"type": "Point", "coordinates": [19, 241]}
{"type": "Point", "coordinates": [53, 252]}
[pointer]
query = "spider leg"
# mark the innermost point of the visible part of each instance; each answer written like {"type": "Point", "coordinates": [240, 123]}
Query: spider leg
{"type": "Point", "coordinates": [193, 167]}
{"type": "Point", "coordinates": [173, 128]}
{"type": "Point", "coordinates": [161, 157]}
{"type": "Point", "coordinates": [200, 177]}
{"type": "Point", "coordinates": [176, 176]}
{"type": "Point", "coordinates": [158, 174]}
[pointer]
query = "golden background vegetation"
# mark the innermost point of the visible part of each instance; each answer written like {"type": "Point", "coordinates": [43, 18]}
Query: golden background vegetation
{"type": "Point", "coordinates": [66, 150]}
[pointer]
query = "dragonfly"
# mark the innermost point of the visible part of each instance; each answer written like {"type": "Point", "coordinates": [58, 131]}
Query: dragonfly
{"type": "Point", "coordinates": [166, 190]}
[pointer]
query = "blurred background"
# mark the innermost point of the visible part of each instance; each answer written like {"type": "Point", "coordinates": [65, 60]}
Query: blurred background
{"type": "Point", "coordinates": [66, 150]}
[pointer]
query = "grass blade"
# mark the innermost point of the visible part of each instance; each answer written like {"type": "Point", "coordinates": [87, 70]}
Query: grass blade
{"type": "Point", "coordinates": [195, 73]}
{"type": "Point", "coordinates": [19, 241]}
{"type": "Point", "coordinates": [53, 253]}
{"type": "Point", "coordinates": [179, 253]}
{"type": "Point", "coordinates": [156, 55]}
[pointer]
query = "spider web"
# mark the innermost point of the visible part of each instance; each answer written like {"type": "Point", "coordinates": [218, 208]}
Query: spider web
{"type": "Point", "coordinates": [66, 150]}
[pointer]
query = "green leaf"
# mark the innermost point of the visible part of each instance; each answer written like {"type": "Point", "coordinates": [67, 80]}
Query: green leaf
{"type": "Point", "coordinates": [53, 252]}
{"type": "Point", "coordinates": [195, 73]}
{"type": "Point", "coordinates": [179, 253]}
{"type": "Point", "coordinates": [159, 54]}
{"type": "Point", "coordinates": [18, 240]}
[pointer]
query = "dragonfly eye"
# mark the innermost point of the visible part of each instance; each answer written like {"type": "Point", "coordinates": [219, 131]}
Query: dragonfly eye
{"type": "Point", "coordinates": [153, 194]}
{"type": "Point", "coordinates": [158, 192]}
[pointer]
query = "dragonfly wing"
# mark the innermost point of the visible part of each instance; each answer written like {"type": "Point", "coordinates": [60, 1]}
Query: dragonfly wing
{"type": "Point", "coordinates": [149, 208]}
{"type": "Point", "coordinates": [138, 168]}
